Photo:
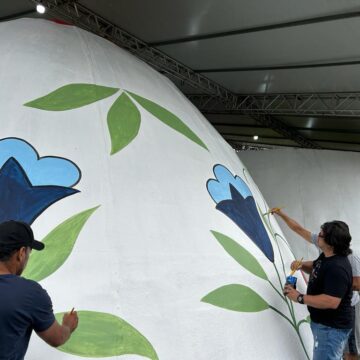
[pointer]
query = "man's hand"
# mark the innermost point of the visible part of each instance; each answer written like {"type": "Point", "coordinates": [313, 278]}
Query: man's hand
{"type": "Point", "coordinates": [70, 320]}
{"type": "Point", "coordinates": [296, 265]}
{"type": "Point", "coordinates": [276, 211]}
{"type": "Point", "coordinates": [57, 335]}
{"type": "Point", "coordinates": [291, 293]}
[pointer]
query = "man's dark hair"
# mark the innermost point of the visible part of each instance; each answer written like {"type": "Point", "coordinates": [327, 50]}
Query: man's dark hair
{"type": "Point", "coordinates": [337, 235]}
{"type": "Point", "coordinates": [6, 252]}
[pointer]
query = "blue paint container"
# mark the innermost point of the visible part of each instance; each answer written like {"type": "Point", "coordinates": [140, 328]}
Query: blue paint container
{"type": "Point", "coordinates": [291, 280]}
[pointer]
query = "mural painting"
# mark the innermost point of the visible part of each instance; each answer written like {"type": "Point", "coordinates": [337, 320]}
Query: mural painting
{"type": "Point", "coordinates": [29, 185]}
{"type": "Point", "coordinates": [153, 222]}
{"type": "Point", "coordinates": [123, 118]}
{"type": "Point", "coordinates": [234, 198]}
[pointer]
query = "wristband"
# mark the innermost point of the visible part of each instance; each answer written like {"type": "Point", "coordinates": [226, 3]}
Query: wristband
{"type": "Point", "coordinates": [300, 299]}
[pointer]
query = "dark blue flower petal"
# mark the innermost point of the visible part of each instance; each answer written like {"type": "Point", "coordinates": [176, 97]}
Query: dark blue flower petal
{"type": "Point", "coordinates": [244, 214]}
{"type": "Point", "coordinates": [20, 200]}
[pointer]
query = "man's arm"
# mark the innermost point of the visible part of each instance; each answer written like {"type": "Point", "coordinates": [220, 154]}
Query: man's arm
{"type": "Point", "coordinates": [356, 283]}
{"type": "Point", "coordinates": [321, 301]}
{"type": "Point", "coordinates": [307, 266]}
{"type": "Point", "coordinates": [57, 335]}
{"type": "Point", "coordinates": [293, 225]}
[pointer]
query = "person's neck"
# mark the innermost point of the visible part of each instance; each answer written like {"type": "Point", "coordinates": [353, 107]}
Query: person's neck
{"type": "Point", "coordinates": [6, 269]}
{"type": "Point", "coordinates": [328, 252]}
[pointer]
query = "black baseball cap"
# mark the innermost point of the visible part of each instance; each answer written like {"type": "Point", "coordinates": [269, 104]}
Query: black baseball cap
{"type": "Point", "coordinates": [16, 234]}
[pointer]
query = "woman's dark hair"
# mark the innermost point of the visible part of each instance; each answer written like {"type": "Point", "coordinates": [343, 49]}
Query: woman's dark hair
{"type": "Point", "coordinates": [337, 235]}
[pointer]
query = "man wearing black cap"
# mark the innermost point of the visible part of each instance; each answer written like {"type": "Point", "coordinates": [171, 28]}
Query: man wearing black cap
{"type": "Point", "coordinates": [24, 304]}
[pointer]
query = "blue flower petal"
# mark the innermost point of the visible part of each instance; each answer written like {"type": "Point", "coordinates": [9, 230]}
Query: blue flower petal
{"type": "Point", "coordinates": [219, 188]}
{"type": "Point", "coordinates": [20, 200]}
{"type": "Point", "coordinates": [244, 214]}
{"type": "Point", "coordinates": [49, 170]}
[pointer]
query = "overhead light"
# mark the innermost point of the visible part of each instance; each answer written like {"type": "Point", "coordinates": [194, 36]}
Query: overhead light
{"type": "Point", "coordinates": [255, 137]}
{"type": "Point", "coordinates": [40, 8]}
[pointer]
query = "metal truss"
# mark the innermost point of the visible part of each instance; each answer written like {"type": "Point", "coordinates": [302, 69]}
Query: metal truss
{"type": "Point", "coordinates": [284, 130]}
{"type": "Point", "coordinates": [319, 104]}
{"type": "Point", "coordinates": [81, 16]}
{"type": "Point", "coordinates": [86, 19]}
{"type": "Point", "coordinates": [250, 146]}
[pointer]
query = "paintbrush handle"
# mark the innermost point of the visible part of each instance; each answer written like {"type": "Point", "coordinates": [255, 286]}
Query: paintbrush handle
{"type": "Point", "coordinates": [273, 209]}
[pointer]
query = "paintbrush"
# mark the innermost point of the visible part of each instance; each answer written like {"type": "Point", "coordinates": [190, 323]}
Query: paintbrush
{"type": "Point", "coordinates": [274, 209]}
{"type": "Point", "coordinates": [297, 266]}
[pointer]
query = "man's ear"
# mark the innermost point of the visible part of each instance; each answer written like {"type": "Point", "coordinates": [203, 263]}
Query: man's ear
{"type": "Point", "coordinates": [21, 253]}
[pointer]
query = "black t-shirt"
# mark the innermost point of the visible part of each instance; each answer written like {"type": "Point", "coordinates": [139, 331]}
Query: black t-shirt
{"type": "Point", "coordinates": [24, 306]}
{"type": "Point", "coordinates": [332, 276]}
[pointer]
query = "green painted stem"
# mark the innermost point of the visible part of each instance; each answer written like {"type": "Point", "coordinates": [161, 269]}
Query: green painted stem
{"type": "Point", "coordinates": [302, 344]}
{"type": "Point", "coordinates": [284, 316]}
{"type": "Point", "coordinates": [277, 245]}
{"type": "Point", "coordinates": [295, 328]}
{"type": "Point", "coordinates": [274, 287]}
{"type": "Point", "coordinates": [284, 241]}
{"type": "Point", "coordinates": [290, 305]}
{"type": "Point", "coordinates": [301, 322]}
{"type": "Point", "coordinates": [291, 309]}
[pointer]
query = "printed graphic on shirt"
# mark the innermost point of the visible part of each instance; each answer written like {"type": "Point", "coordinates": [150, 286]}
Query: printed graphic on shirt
{"type": "Point", "coordinates": [315, 271]}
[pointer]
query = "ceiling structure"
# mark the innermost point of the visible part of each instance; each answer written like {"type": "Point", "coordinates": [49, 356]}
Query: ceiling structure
{"type": "Point", "coordinates": [287, 71]}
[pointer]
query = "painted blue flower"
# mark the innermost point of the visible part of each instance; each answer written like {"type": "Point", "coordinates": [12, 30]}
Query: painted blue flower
{"type": "Point", "coordinates": [25, 194]}
{"type": "Point", "coordinates": [47, 170]}
{"type": "Point", "coordinates": [234, 198]}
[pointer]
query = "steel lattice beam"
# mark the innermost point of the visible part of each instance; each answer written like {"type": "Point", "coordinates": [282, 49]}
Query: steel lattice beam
{"type": "Point", "coordinates": [308, 104]}
{"type": "Point", "coordinates": [85, 18]}
{"type": "Point", "coordinates": [284, 130]}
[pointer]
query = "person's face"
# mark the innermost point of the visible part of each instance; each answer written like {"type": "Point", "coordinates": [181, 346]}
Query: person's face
{"type": "Point", "coordinates": [321, 239]}
{"type": "Point", "coordinates": [22, 257]}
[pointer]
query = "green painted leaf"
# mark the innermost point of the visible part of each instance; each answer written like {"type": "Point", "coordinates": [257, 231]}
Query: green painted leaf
{"type": "Point", "coordinates": [72, 96]}
{"type": "Point", "coordinates": [240, 254]}
{"type": "Point", "coordinates": [102, 335]}
{"type": "Point", "coordinates": [236, 297]}
{"type": "Point", "coordinates": [167, 118]}
{"type": "Point", "coordinates": [123, 121]}
{"type": "Point", "coordinates": [59, 244]}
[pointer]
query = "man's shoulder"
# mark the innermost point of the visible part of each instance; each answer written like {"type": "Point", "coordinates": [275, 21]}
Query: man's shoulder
{"type": "Point", "coordinates": [344, 263]}
{"type": "Point", "coordinates": [29, 285]}
{"type": "Point", "coordinates": [337, 262]}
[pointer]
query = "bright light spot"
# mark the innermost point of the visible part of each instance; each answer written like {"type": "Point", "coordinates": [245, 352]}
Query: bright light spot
{"type": "Point", "coordinates": [255, 137]}
{"type": "Point", "coordinates": [40, 9]}
{"type": "Point", "coordinates": [310, 122]}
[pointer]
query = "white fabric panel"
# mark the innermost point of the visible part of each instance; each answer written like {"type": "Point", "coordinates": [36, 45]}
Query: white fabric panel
{"type": "Point", "coordinates": [147, 254]}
